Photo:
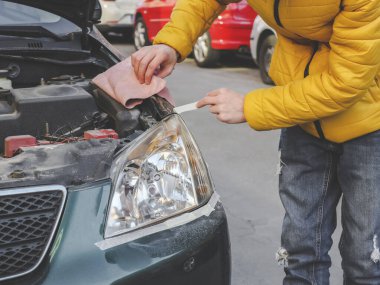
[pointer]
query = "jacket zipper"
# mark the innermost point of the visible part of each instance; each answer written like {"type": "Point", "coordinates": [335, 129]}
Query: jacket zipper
{"type": "Point", "coordinates": [276, 13]}
{"type": "Point", "coordinates": [315, 49]}
{"type": "Point", "coordinates": [317, 123]}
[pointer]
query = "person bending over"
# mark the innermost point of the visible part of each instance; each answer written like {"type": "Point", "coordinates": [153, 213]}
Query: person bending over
{"type": "Point", "coordinates": [326, 67]}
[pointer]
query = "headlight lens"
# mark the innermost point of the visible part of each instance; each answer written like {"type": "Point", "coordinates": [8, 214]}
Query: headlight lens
{"type": "Point", "coordinates": [162, 174]}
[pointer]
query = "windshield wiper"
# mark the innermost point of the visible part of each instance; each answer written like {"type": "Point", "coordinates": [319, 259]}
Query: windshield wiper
{"type": "Point", "coordinates": [31, 31]}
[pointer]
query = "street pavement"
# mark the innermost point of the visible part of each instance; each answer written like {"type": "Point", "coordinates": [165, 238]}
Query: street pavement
{"type": "Point", "coordinates": [243, 164]}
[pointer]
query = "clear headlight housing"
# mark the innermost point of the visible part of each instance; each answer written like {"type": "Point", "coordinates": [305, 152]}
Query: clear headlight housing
{"type": "Point", "coordinates": [161, 175]}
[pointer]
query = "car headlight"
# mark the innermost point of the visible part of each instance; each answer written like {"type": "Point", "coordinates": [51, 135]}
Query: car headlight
{"type": "Point", "coordinates": [162, 174]}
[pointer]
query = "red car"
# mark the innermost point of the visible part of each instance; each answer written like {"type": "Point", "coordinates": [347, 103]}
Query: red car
{"type": "Point", "coordinates": [229, 32]}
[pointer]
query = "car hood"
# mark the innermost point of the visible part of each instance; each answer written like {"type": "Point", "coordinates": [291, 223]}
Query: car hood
{"type": "Point", "coordinates": [83, 13]}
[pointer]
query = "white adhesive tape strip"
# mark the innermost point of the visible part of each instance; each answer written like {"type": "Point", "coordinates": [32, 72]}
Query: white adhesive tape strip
{"type": "Point", "coordinates": [169, 224]}
{"type": "Point", "coordinates": [186, 108]}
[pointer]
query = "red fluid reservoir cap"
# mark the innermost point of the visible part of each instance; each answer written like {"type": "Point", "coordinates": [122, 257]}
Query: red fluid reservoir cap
{"type": "Point", "coordinates": [13, 143]}
{"type": "Point", "coordinates": [101, 134]}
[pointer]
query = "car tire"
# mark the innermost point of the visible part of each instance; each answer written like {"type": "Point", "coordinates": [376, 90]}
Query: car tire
{"type": "Point", "coordinates": [265, 56]}
{"type": "Point", "coordinates": [140, 34]}
{"type": "Point", "coordinates": [204, 54]}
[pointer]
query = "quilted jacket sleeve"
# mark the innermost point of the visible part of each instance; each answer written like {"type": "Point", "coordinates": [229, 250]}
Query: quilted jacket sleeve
{"type": "Point", "coordinates": [189, 20]}
{"type": "Point", "coordinates": [354, 61]}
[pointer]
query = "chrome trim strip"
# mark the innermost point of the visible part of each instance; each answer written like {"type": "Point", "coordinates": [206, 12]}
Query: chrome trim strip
{"type": "Point", "coordinates": [37, 189]}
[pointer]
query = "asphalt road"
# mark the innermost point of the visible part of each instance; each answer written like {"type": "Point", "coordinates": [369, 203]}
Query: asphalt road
{"type": "Point", "coordinates": [243, 165]}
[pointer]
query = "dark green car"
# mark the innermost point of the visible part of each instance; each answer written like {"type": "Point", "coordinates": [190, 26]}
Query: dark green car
{"type": "Point", "coordinates": [92, 192]}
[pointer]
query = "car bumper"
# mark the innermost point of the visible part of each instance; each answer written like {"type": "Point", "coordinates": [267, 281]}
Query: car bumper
{"type": "Point", "coordinates": [122, 23]}
{"type": "Point", "coordinates": [194, 253]}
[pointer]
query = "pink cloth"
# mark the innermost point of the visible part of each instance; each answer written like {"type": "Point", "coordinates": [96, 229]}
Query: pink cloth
{"type": "Point", "coordinates": [120, 82]}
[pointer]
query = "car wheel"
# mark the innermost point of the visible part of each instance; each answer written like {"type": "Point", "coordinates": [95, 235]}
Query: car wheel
{"type": "Point", "coordinates": [204, 54]}
{"type": "Point", "coordinates": [265, 57]}
{"type": "Point", "coordinates": [140, 37]}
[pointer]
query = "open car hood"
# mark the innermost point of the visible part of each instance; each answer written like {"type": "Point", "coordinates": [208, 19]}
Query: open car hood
{"type": "Point", "coordinates": [83, 13]}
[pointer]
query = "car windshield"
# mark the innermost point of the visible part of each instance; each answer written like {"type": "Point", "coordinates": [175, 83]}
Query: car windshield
{"type": "Point", "coordinates": [17, 14]}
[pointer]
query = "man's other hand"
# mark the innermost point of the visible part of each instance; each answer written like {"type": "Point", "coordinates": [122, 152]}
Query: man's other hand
{"type": "Point", "coordinates": [227, 105]}
{"type": "Point", "coordinates": [149, 59]}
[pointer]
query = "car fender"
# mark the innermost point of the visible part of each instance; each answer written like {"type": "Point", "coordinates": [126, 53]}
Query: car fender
{"type": "Point", "coordinates": [260, 30]}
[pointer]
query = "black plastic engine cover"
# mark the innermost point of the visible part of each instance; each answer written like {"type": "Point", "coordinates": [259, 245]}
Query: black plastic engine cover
{"type": "Point", "coordinates": [125, 121]}
{"type": "Point", "coordinates": [31, 111]}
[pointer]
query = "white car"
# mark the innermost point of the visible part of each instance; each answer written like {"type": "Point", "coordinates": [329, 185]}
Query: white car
{"type": "Point", "coordinates": [263, 40]}
{"type": "Point", "coordinates": [118, 16]}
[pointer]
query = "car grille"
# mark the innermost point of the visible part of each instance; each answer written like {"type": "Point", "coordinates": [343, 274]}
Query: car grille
{"type": "Point", "coordinates": [28, 218]}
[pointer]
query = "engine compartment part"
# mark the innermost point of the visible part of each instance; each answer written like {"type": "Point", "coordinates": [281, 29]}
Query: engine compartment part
{"type": "Point", "coordinates": [26, 67]}
{"type": "Point", "coordinates": [5, 83]}
{"type": "Point", "coordinates": [14, 143]}
{"type": "Point", "coordinates": [68, 109]}
{"type": "Point", "coordinates": [100, 134]}
{"type": "Point", "coordinates": [40, 110]}
{"type": "Point", "coordinates": [64, 164]}
{"type": "Point", "coordinates": [125, 120]}
{"type": "Point", "coordinates": [67, 131]}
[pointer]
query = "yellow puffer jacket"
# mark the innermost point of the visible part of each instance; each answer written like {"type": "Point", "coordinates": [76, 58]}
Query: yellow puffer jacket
{"type": "Point", "coordinates": [326, 63]}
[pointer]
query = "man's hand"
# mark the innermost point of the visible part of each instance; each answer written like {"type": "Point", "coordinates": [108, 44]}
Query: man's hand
{"type": "Point", "coordinates": [147, 60]}
{"type": "Point", "coordinates": [227, 105]}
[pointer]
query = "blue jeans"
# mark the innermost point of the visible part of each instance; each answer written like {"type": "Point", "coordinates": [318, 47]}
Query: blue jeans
{"type": "Point", "coordinates": [315, 174]}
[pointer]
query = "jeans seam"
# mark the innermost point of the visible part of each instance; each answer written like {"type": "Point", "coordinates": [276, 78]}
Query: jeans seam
{"type": "Point", "coordinates": [318, 233]}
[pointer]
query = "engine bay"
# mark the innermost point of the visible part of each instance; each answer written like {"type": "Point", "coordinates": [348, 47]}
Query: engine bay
{"type": "Point", "coordinates": [67, 109]}
{"type": "Point", "coordinates": [56, 126]}
{"type": "Point", "coordinates": [66, 130]}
